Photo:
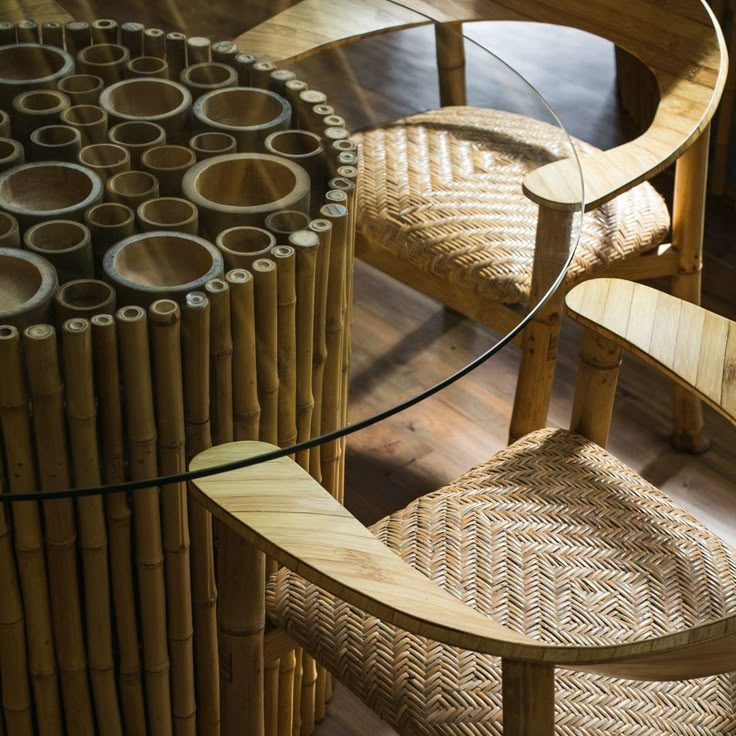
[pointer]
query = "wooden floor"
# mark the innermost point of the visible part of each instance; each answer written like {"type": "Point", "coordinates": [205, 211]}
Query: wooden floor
{"type": "Point", "coordinates": [421, 449]}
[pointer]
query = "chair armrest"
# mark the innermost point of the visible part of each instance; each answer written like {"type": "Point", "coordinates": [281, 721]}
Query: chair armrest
{"type": "Point", "coordinates": [285, 513]}
{"type": "Point", "coordinates": [691, 345]}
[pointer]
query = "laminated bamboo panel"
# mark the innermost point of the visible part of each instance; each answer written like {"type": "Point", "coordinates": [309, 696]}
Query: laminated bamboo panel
{"type": "Point", "coordinates": [119, 528]}
{"type": "Point", "coordinates": [16, 689]}
{"type": "Point", "coordinates": [221, 357]}
{"type": "Point", "coordinates": [266, 321]}
{"type": "Point", "coordinates": [164, 318]}
{"type": "Point", "coordinates": [52, 459]}
{"type": "Point", "coordinates": [246, 409]}
{"type": "Point", "coordinates": [82, 426]}
{"type": "Point", "coordinates": [195, 337]}
{"type": "Point", "coordinates": [139, 415]}
{"type": "Point", "coordinates": [306, 244]}
{"type": "Point", "coordinates": [323, 228]}
{"type": "Point", "coordinates": [15, 422]}
{"type": "Point", "coordinates": [284, 257]}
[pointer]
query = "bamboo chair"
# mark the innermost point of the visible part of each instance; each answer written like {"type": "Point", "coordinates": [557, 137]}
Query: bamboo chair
{"type": "Point", "coordinates": [602, 599]}
{"type": "Point", "coordinates": [466, 266]}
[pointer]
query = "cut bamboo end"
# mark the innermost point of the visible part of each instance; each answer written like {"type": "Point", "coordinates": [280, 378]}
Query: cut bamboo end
{"type": "Point", "coordinates": [159, 101]}
{"type": "Point", "coordinates": [244, 63]}
{"type": "Point", "coordinates": [9, 231]}
{"type": "Point", "coordinates": [161, 265]}
{"type": "Point", "coordinates": [27, 285]}
{"type": "Point", "coordinates": [208, 145]}
{"type": "Point", "coordinates": [65, 244]}
{"type": "Point", "coordinates": [285, 222]}
{"type": "Point", "coordinates": [104, 60]}
{"type": "Point", "coordinates": [35, 108]}
{"type": "Point", "coordinates": [168, 164]}
{"type": "Point", "coordinates": [240, 246]}
{"type": "Point", "coordinates": [224, 52]}
{"type": "Point", "coordinates": [221, 352]}
{"type": "Point", "coordinates": [104, 30]}
{"type": "Point", "coordinates": [44, 190]}
{"type": "Point", "coordinates": [198, 49]}
{"type": "Point", "coordinates": [202, 78]}
{"type": "Point", "coordinates": [81, 89]}
{"type": "Point", "coordinates": [131, 36]}
{"type": "Point", "coordinates": [154, 42]}
{"type": "Point", "coordinates": [55, 143]}
{"type": "Point", "coordinates": [260, 73]}
{"type": "Point", "coordinates": [52, 34]}
{"type": "Point", "coordinates": [109, 223]}
{"type": "Point", "coordinates": [105, 159]}
{"type": "Point", "coordinates": [89, 120]}
{"type": "Point", "coordinates": [137, 137]}
{"type": "Point", "coordinates": [246, 113]}
{"type": "Point", "coordinates": [148, 66]}
{"type": "Point", "coordinates": [78, 35]}
{"type": "Point", "coordinates": [83, 298]}
{"type": "Point", "coordinates": [132, 187]}
{"type": "Point", "coordinates": [168, 213]}
{"type": "Point", "coordinates": [176, 53]}
{"type": "Point", "coordinates": [25, 66]}
{"type": "Point", "coordinates": [11, 153]}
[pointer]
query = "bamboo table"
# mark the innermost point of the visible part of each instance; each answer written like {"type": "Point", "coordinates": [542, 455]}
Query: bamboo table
{"type": "Point", "coordinates": [121, 609]}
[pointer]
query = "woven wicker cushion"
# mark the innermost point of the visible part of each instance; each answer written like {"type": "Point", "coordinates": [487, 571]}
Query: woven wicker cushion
{"type": "Point", "coordinates": [553, 537]}
{"type": "Point", "coordinates": [442, 190]}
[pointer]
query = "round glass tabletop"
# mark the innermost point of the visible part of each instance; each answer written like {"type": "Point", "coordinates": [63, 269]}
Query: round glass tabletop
{"type": "Point", "coordinates": [429, 184]}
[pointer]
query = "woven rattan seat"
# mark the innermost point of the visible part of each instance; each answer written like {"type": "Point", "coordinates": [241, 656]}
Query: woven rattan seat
{"type": "Point", "coordinates": [553, 537]}
{"type": "Point", "coordinates": [442, 191]}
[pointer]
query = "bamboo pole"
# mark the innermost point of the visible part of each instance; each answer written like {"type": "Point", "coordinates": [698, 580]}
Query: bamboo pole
{"type": "Point", "coordinates": [15, 423]}
{"type": "Point", "coordinates": [16, 691]}
{"type": "Point", "coordinates": [285, 717]}
{"type": "Point", "coordinates": [81, 415]}
{"type": "Point", "coordinates": [296, 723]}
{"type": "Point", "coordinates": [246, 409]}
{"type": "Point", "coordinates": [195, 341]}
{"type": "Point", "coordinates": [164, 319]}
{"type": "Point", "coordinates": [47, 394]}
{"type": "Point", "coordinates": [323, 228]}
{"type": "Point", "coordinates": [221, 357]}
{"type": "Point", "coordinates": [117, 510]}
{"type": "Point", "coordinates": [284, 257]}
{"type": "Point", "coordinates": [306, 243]}
{"type": "Point", "coordinates": [309, 685]}
{"type": "Point", "coordinates": [136, 383]}
{"type": "Point", "coordinates": [265, 300]}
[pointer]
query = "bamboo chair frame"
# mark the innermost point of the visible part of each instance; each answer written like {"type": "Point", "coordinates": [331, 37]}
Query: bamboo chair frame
{"type": "Point", "coordinates": [690, 82]}
{"type": "Point", "coordinates": [278, 510]}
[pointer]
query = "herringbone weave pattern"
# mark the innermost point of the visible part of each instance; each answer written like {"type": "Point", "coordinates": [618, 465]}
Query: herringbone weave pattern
{"type": "Point", "coordinates": [553, 537]}
{"type": "Point", "coordinates": [442, 191]}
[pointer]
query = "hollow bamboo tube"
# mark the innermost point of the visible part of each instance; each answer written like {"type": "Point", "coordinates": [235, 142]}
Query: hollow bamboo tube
{"type": "Point", "coordinates": [165, 329]}
{"type": "Point", "coordinates": [132, 188]}
{"type": "Point", "coordinates": [207, 145]}
{"type": "Point", "coordinates": [323, 228]}
{"type": "Point", "coordinates": [292, 89]}
{"type": "Point", "coordinates": [104, 60]}
{"type": "Point", "coordinates": [195, 337]}
{"type": "Point", "coordinates": [83, 298]}
{"type": "Point", "coordinates": [224, 52]}
{"type": "Point", "coordinates": [176, 53]}
{"type": "Point", "coordinates": [147, 66]}
{"type": "Point", "coordinates": [168, 213]}
{"type": "Point", "coordinates": [131, 36]}
{"type": "Point", "coordinates": [244, 64]}
{"type": "Point", "coordinates": [52, 34]}
{"type": "Point", "coordinates": [306, 243]}
{"type": "Point", "coordinates": [154, 42]}
{"type": "Point", "coordinates": [265, 301]}
{"type": "Point", "coordinates": [108, 223]}
{"type": "Point", "coordinates": [104, 30]}
{"type": "Point", "coordinates": [246, 409]}
{"type": "Point", "coordinates": [89, 120]}
{"type": "Point", "coordinates": [27, 31]}
{"type": "Point", "coordinates": [334, 332]}
{"type": "Point", "coordinates": [11, 153]}
{"type": "Point", "coordinates": [34, 109]}
{"type": "Point", "coordinates": [117, 511]}
{"type": "Point", "coordinates": [285, 222]}
{"type": "Point", "coordinates": [82, 422]}
{"type": "Point", "coordinates": [8, 32]}
{"type": "Point", "coordinates": [9, 231]}
{"type": "Point", "coordinates": [207, 76]}
{"type": "Point", "coordinates": [198, 50]}
{"type": "Point", "coordinates": [318, 117]}
{"type": "Point", "coordinates": [168, 164]}
{"type": "Point", "coordinates": [278, 79]}
{"type": "Point", "coordinates": [81, 89]}
{"type": "Point", "coordinates": [307, 99]}
{"type": "Point", "coordinates": [15, 422]}
{"type": "Point", "coordinates": [260, 74]}
{"type": "Point", "coordinates": [241, 245]}
{"type": "Point", "coordinates": [65, 244]}
{"type": "Point", "coordinates": [242, 620]}
{"type": "Point", "coordinates": [136, 383]}
{"type": "Point", "coordinates": [221, 361]}
{"type": "Point", "coordinates": [4, 124]}
{"type": "Point", "coordinates": [284, 257]}
{"type": "Point", "coordinates": [55, 143]}
{"type": "Point", "coordinates": [105, 159]}
{"type": "Point", "coordinates": [78, 36]}
{"type": "Point", "coordinates": [137, 136]}
{"type": "Point", "coordinates": [16, 691]}
{"type": "Point", "coordinates": [47, 395]}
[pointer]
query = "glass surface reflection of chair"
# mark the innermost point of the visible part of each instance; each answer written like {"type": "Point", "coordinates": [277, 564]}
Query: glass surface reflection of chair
{"type": "Point", "coordinates": [551, 584]}
{"type": "Point", "coordinates": [435, 213]}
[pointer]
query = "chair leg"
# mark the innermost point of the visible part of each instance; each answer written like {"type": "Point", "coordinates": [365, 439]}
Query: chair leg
{"type": "Point", "coordinates": [541, 336]}
{"type": "Point", "coordinates": [688, 215]}
{"type": "Point", "coordinates": [528, 699]}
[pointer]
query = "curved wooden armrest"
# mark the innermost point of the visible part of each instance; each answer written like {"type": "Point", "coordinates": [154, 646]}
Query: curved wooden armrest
{"type": "Point", "coordinates": [283, 511]}
{"type": "Point", "coordinates": [689, 344]}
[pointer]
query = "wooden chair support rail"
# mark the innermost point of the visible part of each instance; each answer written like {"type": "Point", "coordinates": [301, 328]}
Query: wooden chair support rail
{"type": "Point", "coordinates": [691, 345]}
{"type": "Point", "coordinates": [285, 513]}
{"type": "Point", "coordinates": [690, 78]}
